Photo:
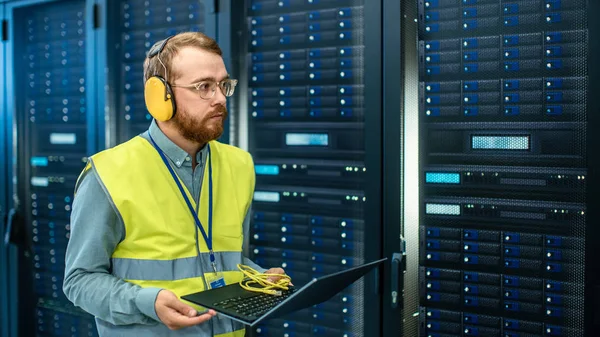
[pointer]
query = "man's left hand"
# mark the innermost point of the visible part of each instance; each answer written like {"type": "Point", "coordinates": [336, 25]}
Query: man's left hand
{"type": "Point", "coordinates": [275, 271]}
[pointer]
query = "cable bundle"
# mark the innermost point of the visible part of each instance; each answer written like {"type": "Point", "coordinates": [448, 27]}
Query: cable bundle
{"type": "Point", "coordinates": [254, 278]}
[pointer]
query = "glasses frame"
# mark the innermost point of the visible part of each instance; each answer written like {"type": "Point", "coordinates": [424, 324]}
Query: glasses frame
{"type": "Point", "coordinates": [214, 85]}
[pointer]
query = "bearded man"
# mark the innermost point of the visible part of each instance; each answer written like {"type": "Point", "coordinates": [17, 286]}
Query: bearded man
{"type": "Point", "coordinates": [165, 214]}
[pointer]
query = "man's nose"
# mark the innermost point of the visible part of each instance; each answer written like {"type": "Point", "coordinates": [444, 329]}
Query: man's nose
{"type": "Point", "coordinates": [219, 97]}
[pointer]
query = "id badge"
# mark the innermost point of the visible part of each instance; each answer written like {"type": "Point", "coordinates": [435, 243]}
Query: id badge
{"type": "Point", "coordinates": [214, 280]}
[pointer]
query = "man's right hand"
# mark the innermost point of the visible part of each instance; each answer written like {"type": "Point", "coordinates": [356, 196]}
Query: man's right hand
{"type": "Point", "coordinates": [176, 314]}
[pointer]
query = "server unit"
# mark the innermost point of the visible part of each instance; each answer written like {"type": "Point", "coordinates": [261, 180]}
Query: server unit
{"type": "Point", "coordinates": [56, 56]}
{"type": "Point", "coordinates": [140, 24]}
{"type": "Point", "coordinates": [502, 103]}
{"type": "Point", "coordinates": [306, 108]}
{"type": "Point", "coordinates": [48, 86]}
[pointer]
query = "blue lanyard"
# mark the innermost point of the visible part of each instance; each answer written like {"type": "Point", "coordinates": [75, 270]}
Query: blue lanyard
{"type": "Point", "coordinates": [207, 238]}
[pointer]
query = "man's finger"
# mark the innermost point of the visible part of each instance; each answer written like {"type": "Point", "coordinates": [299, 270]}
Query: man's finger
{"type": "Point", "coordinates": [182, 308]}
{"type": "Point", "coordinates": [177, 320]}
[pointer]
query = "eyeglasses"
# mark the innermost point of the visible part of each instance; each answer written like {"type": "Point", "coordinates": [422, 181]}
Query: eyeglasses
{"type": "Point", "coordinates": [207, 89]}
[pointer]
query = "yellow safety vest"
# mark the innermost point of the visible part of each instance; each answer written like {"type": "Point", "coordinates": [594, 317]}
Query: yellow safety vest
{"type": "Point", "coordinates": [159, 249]}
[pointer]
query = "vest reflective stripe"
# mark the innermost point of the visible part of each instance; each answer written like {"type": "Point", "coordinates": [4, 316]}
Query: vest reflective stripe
{"type": "Point", "coordinates": [170, 270]}
{"type": "Point", "coordinates": [160, 248]}
{"type": "Point", "coordinates": [223, 327]}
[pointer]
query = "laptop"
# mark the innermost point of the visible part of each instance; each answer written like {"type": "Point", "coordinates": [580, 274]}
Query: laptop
{"type": "Point", "coordinates": [251, 308]}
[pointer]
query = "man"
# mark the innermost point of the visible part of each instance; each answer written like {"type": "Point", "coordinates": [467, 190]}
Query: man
{"type": "Point", "coordinates": [164, 214]}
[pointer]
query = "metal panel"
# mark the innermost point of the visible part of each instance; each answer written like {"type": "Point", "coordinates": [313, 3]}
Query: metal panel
{"type": "Point", "coordinates": [504, 164]}
{"type": "Point", "coordinates": [314, 110]}
{"type": "Point", "coordinates": [592, 291]}
{"type": "Point", "coordinates": [398, 16]}
{"type": "Point", "coordinates": [410, 165]}
{"type": "Point", "coordinates": [5, 304]}
{"type": "Point", "coordinates": [50, 106]}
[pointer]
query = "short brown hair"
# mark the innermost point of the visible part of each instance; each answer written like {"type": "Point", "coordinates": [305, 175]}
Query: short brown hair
{"type": "Point", "coordinates": [188, 39]}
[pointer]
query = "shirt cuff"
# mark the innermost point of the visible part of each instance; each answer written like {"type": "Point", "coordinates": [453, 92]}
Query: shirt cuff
{"type": "Point", "coordinates": [145, 300]}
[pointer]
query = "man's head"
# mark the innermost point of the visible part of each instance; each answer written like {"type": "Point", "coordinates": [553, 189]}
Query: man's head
{"type": "Point", "coordinates": [194, 68]}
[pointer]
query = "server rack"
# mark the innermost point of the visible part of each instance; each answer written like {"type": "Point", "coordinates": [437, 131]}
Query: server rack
{"type": "Point", "coordinates": [503, 103]}
{"type": "Point", "coordinates": [50, 98]}
{"type": "Point", "coordinates": [305, 100]}
{"type": "Point", "coordinates": [4, 255]}
{"type": "Point", "coordinates": [139, 24]}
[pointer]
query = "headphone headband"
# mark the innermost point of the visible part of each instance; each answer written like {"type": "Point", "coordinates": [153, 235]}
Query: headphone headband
{"type": "Point", "coordinates": [158, 47]}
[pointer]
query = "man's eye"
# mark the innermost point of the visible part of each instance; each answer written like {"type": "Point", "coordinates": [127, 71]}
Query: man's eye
{"type": "Point", "coordinates": [203, 87]}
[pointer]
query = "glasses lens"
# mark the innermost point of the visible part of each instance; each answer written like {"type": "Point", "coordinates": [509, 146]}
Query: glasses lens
{"type": "Point", "coordinates": [206, 89]}
{"type": "Point", "coordinates": [228, 87]}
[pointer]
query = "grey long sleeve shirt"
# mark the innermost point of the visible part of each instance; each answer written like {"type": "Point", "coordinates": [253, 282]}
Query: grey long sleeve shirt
{"type": "Point", "coordinates": [96, 230]}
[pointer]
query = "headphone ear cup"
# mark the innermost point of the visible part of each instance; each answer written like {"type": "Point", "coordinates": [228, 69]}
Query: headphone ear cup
{"type": "Point", "coordinates": [159, 98]}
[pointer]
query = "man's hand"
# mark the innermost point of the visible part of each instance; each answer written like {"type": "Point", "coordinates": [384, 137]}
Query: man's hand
{"type": "Point", "coordinates": [175, 314]}
{"type": "Point", "coordinates": [275, 271]}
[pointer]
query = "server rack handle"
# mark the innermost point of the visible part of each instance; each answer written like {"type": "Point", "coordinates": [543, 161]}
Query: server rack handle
{"type": "Point", "coordinates": [398, 270]}
{"type": "Point", "coordinates": [15, 228]}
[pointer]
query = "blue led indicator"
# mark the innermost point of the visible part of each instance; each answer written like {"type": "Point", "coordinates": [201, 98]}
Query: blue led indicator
{"type": "Point", "coordinates": [511, 110]}
{"type": "Point", "coordinates": [511, 84]}
{"type": "Point", "coordinates": [432, 58]}
{"type": "Point", "coordinates": [471, 86]}
{"type": "Point", "coordinates": [473, 111]}
{"type": "Point", "coordinates": [511, 21]}
{"type": "Point", "coordinates": [433, 28]}
{"type": "Point", "coordinates": [39, 161]}
{"type": "Point", "coordinates": [433, 70]}
{"type": "Point", "coordinates": [500, 142]}
{"type": "Point", "coordinates": [470, 12]}
{"type": "Point", "coordinates": [511, 66]}
{"type": "Point", "coordinates": [512, 98]}
{"type": "Point", "coordinates": [471, 56]}
{"type": "Point", "coordinates": [432, 46]}
{"type": "Point", "coordinates": [307, 139]}
{"type": "Point", "coordinates": [442, 178]}
{"type": "Point", "coordinates": [554, 37]}
{"type": "Point", "coordinates": [554, 97]}
{"type": "Point", "coordinates": [554, 83]}
{"type": "Point", "coordinates": [432, 3]}
{"type": "Point", "coordinates": [442, 209]}
{"type": "Point", "coordinates": [432, 112]}
{"type": "Point", "coordinates": [433, 99]}
{"type": "Point", "coordinates": [554, 51]}
{"type": "Point", "coordinates": [471, 67]}
{"type": "Point", "coordinates": [511, 8]}
{"type": "Point", "coordinates": [553, 18]}
{"type": "Point", "coordinates": [432, 87]}
{"type": "Point", "coordinates": [271, 170]}
{"type": "Point", "coordinates": [552, 5]}
{"type": "Point", "coordinates": [512, 53]}
{"type": "Point", "coordinates": [470, 24]}
{"type": "Point", "coordinates": [554, 64]}
{"type": "Point", "coordinates": [266, 196]}
{"type": "Point", "coordinates": [471, 98]}
{"type": "Point", "coordinates": [470, 43]}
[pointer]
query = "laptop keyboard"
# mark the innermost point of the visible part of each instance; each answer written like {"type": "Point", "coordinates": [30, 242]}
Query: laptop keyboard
{"type": "Point", "coordinates": [255, 305]}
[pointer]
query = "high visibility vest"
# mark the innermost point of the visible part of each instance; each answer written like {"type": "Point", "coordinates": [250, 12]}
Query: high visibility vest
{"type": "Point", "coordinates": [161, 237]}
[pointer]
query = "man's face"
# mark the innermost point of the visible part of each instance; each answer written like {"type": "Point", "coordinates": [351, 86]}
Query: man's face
{"type": "Point", "coordinates": [197, 119]}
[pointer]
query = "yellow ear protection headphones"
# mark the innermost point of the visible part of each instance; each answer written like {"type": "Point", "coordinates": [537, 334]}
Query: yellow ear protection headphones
{"type": "Point", "coordinates": [158, 94]}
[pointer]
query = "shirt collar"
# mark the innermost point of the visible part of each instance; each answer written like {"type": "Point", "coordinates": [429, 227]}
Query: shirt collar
{"type": "Point", "coordinates": [176, 154]}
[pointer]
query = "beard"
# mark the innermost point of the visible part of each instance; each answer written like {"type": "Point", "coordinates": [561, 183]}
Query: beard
{"type": "Point", "coordinates": [200, 131]}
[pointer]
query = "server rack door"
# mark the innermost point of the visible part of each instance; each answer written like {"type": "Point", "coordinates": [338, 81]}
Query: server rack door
{"type": "Point", "coordinates": [400, 167]}
{"type": "Point", "coordinates": [502, 110]}
{"type": "Point", "coordinates": [311, 78]}
{"type": "Point", "coordinates": [592, 314]}
{"type": "Point", "coordinates": [49, 108]}
{"type": "Point", "coordinates": [4, 262]}
{"type": "Point", "coordinates": [138, 24]}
